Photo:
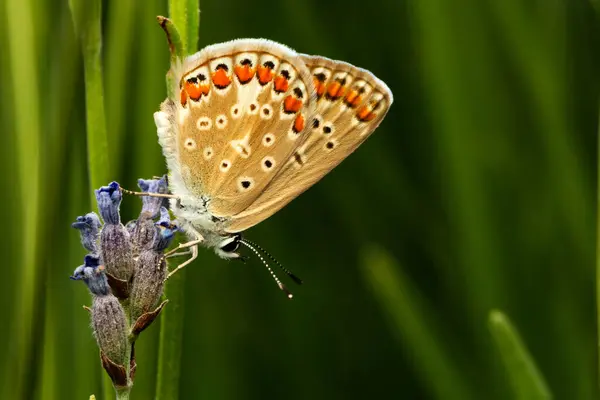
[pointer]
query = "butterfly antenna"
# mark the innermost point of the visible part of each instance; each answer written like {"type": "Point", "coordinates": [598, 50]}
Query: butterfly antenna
{"type": "Point", "coordinates": [281, 285]}
{"type": "Point", "coordinates": [284, 269]}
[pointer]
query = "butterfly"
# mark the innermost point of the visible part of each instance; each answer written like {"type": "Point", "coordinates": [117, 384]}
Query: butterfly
{"type": "Point", "coordinates": [251, 126]}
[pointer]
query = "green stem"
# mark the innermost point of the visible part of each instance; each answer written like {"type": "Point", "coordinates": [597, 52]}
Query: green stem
{"type": "Point", "coordinates": [527, 381]}
{"type": "Point", "coordinates": [123, 393]}
{"type": "Point", "coordinates": [87, 16]}
{"type": "Point", "coordinates": [598, 249]}
{"type": "Point", "coordinates": [185, 15]}
{"type": "Point", "coordinates": [171, 336]}
{"type": "Point", "coordinates": [20, 29]}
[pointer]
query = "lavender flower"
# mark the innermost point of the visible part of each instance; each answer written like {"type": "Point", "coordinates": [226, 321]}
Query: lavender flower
{"type": "Point", "coordinates": [151, 269]}
{"type": "Point", "coordinates": [115, 244]}
{"type": "Point", "coordinates": [110, 328]}
{"type": "Point", "coordinates": [89, 226]}
{"type": "Point", "coordinates": [142, 230]}
{"type": "Point", "coordinates": [108, 317]}
{"type": "Point", "coordinates": [151, 205]}
{"type": "Point", "coordinates": [128, 262]}
{"type": "Point", "coordinates": [92, 273]}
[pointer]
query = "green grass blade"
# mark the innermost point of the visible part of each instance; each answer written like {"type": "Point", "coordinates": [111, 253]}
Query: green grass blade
{"type": "Point", "coordinates": [408, 313]}
{"type": "Point", "coordinates": [87, 17]}
{"type": "Point", "coordinates": [26, 99]}
{"type": "Point", "coordinates": [171, 337]}
{"type": "Point", "coordinates": [527, 381]}
{"type": "Point", "coordinates": [184, 15]}
{"type": "Point", "coordinates": [598, 252]}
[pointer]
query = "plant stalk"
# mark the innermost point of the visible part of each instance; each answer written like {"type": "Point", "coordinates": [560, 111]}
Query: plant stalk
{"type": "Point", "coordinates": [182, 32]}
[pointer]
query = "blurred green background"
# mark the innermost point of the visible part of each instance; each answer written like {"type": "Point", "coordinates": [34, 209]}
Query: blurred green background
{"type": "Point", "coordinates": [476, 193]}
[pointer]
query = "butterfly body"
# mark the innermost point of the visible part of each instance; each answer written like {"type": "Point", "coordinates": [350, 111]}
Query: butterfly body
{"type": "Point", "coordinates": [252, 125]}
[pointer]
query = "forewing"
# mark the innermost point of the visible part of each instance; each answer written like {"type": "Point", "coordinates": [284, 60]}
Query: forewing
{"type": "Point", "coordinates": [351, 102]}
{"type": "Point", "coordinates": [242, 109]}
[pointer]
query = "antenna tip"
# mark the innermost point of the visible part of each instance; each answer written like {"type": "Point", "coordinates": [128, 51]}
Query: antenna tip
{"type": "Point", "coordinates": [285, 290]}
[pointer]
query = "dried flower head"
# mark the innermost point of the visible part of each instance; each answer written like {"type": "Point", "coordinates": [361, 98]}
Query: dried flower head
{"type": "Point", "coordinates": [110, 328]}
{"type": "Point", "coordinates": [89, 226]}
{"type": "Point", "coordinates": [142, 230]}
{"type": "Point", "coordinates": [92, 273]}
{"type": "Point", "coordinates": [151, 205]}
{"type": "Point", "coordinates": [125, 272]}
{"type": "Point", "coordinates": [115, 244]}
{"type": "Point", "coordinates": [151, 268]}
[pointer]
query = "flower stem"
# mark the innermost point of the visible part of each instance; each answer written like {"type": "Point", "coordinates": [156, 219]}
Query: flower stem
{"type": "Point", "coordinates": [87, 16]}
{"type": "Point", "coordinates": [87, 19]}
{"type": "Point", "coordinates": [21, 39]}
{"type": "Point", "coordinates": [598, 250]}
{"type": "Point", "coordinates": [123, 393]}
{"type": "Point", "coordinates": [185, 15]}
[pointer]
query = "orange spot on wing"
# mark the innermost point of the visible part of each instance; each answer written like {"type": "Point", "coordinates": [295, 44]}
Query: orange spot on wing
{"type": "Point", "coordinates": [183, 97]}
{"type": "Point", "coordinates": [352, 99]}
{"type": "Point", "coordinates": [319, 87]}
{"type": "Point", "coordinates": [365, 114]}
{"type": "Point", "coordinates": [244, 73]}
{"type": "Point", "coordinates": [281, 84]}
{"type": "Point", "coordinates": [196, 91]}
{"type": "Point", "coordinates": [220, 79]}
{"type": "Point", "coordinates": [335, 90]}
{"type": "Point", "coordinates": [291, 105]}
{"type": "Point", "coordinates": [298, 123]}
{"type": "Point", "coordinates": [265, 75]}
{"type": "Point", "coordinates": [193, 91]}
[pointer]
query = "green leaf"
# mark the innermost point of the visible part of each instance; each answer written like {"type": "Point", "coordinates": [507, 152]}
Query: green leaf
{"type": "Point", "coordinates": [87, 17]}
{"type": "Point", "coordinates": [182, 40]}
{"type": "Point", "coordinates": [23, 66]}
{"type": "Point", "coordinates": [408, 314]}
{"type": "Point", "coordinates": [527, 381]}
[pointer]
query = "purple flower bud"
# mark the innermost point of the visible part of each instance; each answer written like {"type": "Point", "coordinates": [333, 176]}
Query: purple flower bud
{"type": "Point", "coordinates": [143, 231]}
{"type": "Point", "coordinates": [151, 205]}
{"type": "Point", "coordinates": [92, 273]}
{"type": "Point", "coordinates": [110, 328]}
{"type": "Point", "coordinates": [151, 269]}
{"type": "Point", "coordinates": [116, 252]}
{"type": "Point", "coordinates": [109, 199]}
{"type": "Point", "coordinates": [88, 226]}
{"type": "Point", "coordinates": [148, 282]}
{"type": "Point", "coordinates": [166, 232]}
{"type": "Point", "coordinates": [115, 242]}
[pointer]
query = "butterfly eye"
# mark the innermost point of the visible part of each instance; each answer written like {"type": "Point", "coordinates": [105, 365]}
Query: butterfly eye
{"type": "Point", "coordinates": [231, 244]}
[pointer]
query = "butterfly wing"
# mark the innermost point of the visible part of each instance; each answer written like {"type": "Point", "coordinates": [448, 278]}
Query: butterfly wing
{"type": "Point", "coordinates": [351, 102]}
{"type": "Point", "coordinates": [241, 110]}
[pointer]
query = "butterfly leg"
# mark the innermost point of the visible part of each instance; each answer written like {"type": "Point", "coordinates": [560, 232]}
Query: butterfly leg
{"type": "Point", "coordinates": [181, 253]}
{"type": "Point", "coordinates": [193, 247]}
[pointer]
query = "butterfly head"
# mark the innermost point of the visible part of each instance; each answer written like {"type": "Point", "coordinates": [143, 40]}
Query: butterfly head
{"type": "Point", "coordinates": [194, 218]}
{"type": "Point", "coordinates": [228, 246]}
